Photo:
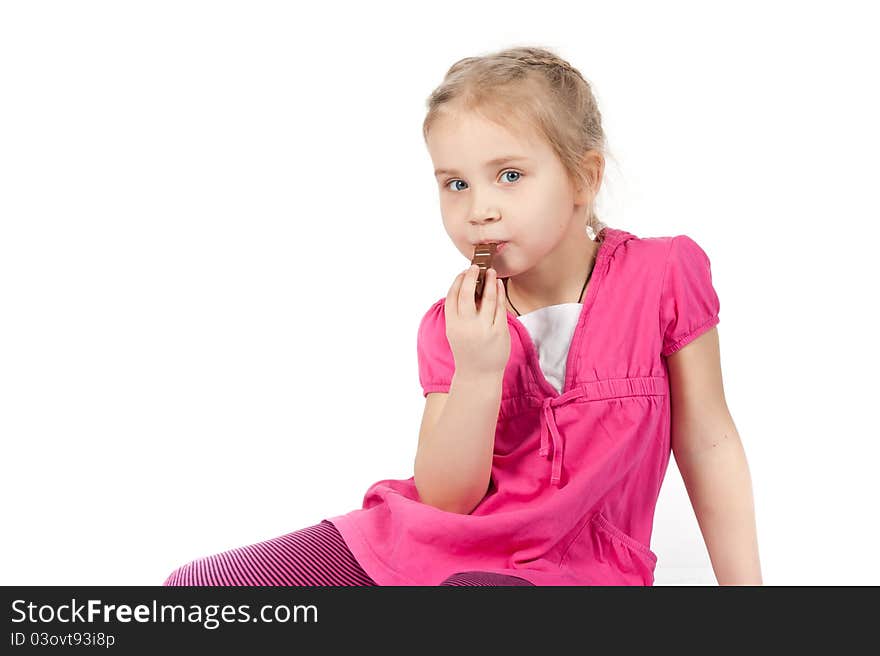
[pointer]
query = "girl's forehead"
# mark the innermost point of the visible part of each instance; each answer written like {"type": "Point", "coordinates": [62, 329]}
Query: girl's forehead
{"type": "Point", "coordinates": [468, 119]}
{"type": "Point", "coordinates": [455, 129]}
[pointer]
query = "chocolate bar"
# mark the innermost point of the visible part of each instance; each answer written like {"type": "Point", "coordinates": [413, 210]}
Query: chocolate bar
{"type": "Point", "coordinates": [483, 254]}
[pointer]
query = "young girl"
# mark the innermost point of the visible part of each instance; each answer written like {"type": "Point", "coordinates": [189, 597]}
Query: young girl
{"type": "Point", "coordinates": [554, 401]}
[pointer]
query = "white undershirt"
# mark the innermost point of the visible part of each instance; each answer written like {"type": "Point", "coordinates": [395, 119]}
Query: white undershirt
{"type": "Point", "coordinates": [551, 329]}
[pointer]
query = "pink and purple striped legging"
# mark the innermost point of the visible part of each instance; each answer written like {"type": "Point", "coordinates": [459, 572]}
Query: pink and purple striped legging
{"type": "Point", "coordinates": [315, 555]}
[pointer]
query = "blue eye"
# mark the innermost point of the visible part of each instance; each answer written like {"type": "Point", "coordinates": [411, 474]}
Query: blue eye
{"type": "Point", "coordinates": [504, 173]}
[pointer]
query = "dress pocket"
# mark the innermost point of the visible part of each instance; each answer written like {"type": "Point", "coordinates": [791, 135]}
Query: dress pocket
{"type": "Point", "coordinates": [604, 554]}
{"type": "Point", "coordinates": [615, 532]}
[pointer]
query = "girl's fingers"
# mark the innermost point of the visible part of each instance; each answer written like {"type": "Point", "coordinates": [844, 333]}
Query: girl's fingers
{"type": "Point", "coordinates": [466, 302]}
{"type": "Point", "coordinates": [452, 295]}
{"type": "Point", "coordinates": [490, 294]}
{"type": "Point", "coordinates": [500, 305]}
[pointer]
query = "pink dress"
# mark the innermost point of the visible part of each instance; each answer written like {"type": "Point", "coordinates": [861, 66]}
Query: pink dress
{"type": "Point", "coordinates": [575, 475]}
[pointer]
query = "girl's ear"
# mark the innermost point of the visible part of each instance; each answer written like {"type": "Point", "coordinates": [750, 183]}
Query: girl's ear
{"type": "Point", "coordinates": [593, 170]}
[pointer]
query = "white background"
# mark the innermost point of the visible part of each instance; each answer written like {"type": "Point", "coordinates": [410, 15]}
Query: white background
{"type": "Point", "coordinates": [185, 369]}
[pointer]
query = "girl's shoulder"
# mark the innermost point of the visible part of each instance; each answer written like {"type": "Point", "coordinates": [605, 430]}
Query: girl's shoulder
{"type": "Point", "coordinates": [650, 253]}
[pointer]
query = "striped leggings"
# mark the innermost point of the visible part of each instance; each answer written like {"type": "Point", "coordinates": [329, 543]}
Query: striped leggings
{"type": "Point", "coordinates": [315, 555]}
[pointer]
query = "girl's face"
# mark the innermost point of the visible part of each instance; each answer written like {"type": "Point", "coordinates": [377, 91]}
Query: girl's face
{"type": "Point", "coordinates": [528, 202]}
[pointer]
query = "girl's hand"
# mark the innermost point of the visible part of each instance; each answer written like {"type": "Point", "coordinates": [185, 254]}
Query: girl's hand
{"type": "Point", "coordinates": [477, 331]}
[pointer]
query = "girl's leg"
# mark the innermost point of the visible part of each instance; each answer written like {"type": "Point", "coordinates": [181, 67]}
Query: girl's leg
{"type": "Point", "coordinates": [316, 555]}
{"type": "Point", "coordinates": [483, 578]}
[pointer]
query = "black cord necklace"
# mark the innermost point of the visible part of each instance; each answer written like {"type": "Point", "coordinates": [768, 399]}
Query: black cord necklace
{"type": "Point", "coordinates": [589, 275]}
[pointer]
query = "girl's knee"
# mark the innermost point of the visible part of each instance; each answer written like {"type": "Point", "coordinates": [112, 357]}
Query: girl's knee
{"type": "Point", "coordinates": [484, 578]}
{"type": "Point", "coordinates": [189, 574]}
{"type": "Point", "coordinates": [177, 576]}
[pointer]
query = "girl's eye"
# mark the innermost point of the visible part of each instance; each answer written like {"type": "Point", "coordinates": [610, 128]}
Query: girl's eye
{"type": "Point", "coordinates": [517, 173]}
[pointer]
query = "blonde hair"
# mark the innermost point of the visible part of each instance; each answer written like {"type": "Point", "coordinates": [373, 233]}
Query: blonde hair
{"type": "Point", "coordinates": [529, 87]}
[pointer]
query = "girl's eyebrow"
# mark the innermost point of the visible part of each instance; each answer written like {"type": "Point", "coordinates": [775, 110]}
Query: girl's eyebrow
{"type": "Point", "coordinates": [489, 164]}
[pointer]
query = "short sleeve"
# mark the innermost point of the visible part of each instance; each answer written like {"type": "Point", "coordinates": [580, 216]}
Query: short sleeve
{"type": "Point", "coordinates": [436, 362]}
{"type": "Point", "coordinates": [688, 303]}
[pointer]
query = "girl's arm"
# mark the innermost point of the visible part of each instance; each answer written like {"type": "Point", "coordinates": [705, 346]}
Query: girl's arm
{"type": "Point", "coordinates": [712, 462]}
{"type": "Point", "coordinates": [453, 464]}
